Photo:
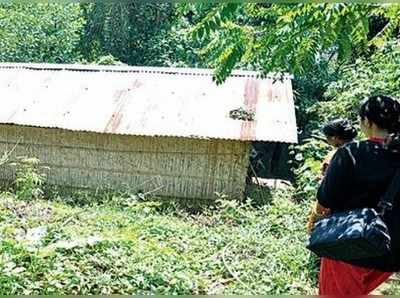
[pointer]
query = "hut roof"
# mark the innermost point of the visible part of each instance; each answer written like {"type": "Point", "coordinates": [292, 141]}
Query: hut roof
{"type": "Point", "coordinates": [148, 101]}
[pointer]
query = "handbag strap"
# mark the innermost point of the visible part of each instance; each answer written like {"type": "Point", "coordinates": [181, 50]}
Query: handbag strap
{"type": "Point", "coordinates": [386, 202]}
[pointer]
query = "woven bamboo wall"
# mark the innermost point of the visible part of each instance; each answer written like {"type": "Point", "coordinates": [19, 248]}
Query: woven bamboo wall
{"type": "Point", "coordinates": [166, 166]}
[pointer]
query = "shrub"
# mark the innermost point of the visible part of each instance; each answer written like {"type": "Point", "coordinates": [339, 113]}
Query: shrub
{"type": "Point", "coordinates": [29, 178]}
{"type": "Point", "coordinates": [307, 167]}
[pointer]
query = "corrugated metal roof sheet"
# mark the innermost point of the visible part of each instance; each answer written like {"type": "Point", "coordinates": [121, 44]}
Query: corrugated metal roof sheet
{"type": "Point", "coordinates": [146, 101]}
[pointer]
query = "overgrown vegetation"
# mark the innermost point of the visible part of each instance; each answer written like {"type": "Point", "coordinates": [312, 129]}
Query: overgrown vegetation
{"type": "Point", "coordinates": [153, 248]}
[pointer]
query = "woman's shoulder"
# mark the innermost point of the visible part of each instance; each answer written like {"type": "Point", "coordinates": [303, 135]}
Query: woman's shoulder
{"type": "Point", "coordinates": [357, 144]}
{"type": "Point", "coordinates": [366, 151]}
{"type": "Point", "coordinates": [351, 151]}
{"type": "Point", "coordinates": [356, 147]}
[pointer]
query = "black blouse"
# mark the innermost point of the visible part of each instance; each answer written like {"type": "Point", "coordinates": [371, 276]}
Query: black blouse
{"type": "Point", "coordinates": [357, 177]}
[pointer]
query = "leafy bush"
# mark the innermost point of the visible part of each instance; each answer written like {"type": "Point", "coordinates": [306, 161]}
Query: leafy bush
{"type": "Point", "coordinates": [307, 167]}
{"type": "Point", "coordinates": [378, 74]}
{"type": "Point", "coordinates": [29, 178]}
{"type": "Point", "coordinates": [108, 60]}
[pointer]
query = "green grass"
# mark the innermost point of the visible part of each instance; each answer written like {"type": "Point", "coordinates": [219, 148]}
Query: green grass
{"type": "Point", "coordinates": [133, 247]}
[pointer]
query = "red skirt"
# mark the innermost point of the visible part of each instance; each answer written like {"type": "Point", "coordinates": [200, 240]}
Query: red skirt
{"type": "Point", "coordinates": [339, 278]}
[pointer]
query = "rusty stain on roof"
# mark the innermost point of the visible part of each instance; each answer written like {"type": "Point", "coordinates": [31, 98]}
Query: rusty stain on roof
{"type": "Point", "coordinates": [248, 131]}
{"type": "Point", "coordinates": [116, 117]}
{"type": "Point", "coordinates": [121, 100]}
{"type": "Point", "coordinates": [146, 101]}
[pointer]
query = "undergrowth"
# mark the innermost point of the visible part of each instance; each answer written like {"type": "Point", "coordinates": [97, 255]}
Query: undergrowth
{"type": "Point", "coordinates": [150, 247]}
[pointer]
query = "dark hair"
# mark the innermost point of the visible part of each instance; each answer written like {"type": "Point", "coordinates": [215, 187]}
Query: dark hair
{"type": "Point", "coordinates": [384, 111]}
{"type": "Point", "coordinates": [340, 128]}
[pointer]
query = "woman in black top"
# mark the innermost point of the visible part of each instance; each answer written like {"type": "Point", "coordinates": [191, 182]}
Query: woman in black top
{"type": "Point", "coordinates": [357, 177]}
{"type": "Point", "coordinates": [337, 132]}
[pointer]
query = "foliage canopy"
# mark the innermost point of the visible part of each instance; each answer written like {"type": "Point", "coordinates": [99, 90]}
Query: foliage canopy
{"type": "Point", "coordinates": [293, 38]}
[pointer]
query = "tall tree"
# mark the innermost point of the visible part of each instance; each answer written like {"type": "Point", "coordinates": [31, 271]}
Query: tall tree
{"type": "Point", "coordinates": [40, 32]}
{"type": "Point", "coordinates": [138, 33]}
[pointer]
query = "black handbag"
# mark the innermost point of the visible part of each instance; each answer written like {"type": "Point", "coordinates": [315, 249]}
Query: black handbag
{"type": "Point", "coordinates": [355, 234]}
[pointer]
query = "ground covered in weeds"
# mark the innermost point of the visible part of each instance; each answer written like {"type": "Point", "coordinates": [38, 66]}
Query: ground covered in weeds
{"type": "Point", "coordinates": [128, 246]}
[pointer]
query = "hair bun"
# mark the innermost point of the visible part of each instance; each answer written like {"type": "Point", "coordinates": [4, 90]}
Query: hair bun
{"type": "Point", "coordinates": [341, 128]}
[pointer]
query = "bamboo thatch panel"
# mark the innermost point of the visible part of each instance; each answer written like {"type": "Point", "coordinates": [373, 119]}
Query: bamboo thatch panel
{"type": "Point", "coordinates": [124, 161]}
{"type": "Point", "coordinates": [96, 141]}
{"type": "Point", "coordinates": [166, 166]}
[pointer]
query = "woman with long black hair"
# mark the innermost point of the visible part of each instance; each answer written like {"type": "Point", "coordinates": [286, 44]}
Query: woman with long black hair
{"type": "Point", "coordinates": [357, 177]}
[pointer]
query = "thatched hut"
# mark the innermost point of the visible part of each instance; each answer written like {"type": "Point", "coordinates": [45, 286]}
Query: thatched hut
{"type": "Point", "coordinates": [171, 132]}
